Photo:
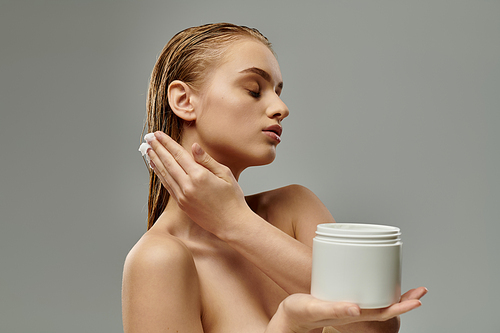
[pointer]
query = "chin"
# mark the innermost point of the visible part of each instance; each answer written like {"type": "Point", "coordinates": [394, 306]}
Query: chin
{"type": "Point", "coordinates": [265, 160]}
{"type": "Point", "coordinates": [240, 159]}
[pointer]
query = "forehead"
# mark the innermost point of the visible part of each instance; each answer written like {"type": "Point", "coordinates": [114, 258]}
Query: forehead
{"type": "Point", "coordinates": [247, 53]}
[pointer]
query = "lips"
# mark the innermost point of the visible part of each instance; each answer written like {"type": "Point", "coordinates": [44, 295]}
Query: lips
{"type": "Point", "coordinates": [274, 131]}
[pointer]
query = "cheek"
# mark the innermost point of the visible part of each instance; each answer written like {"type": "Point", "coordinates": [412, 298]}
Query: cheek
{"type": "Point", "coordinates": [226, 109]}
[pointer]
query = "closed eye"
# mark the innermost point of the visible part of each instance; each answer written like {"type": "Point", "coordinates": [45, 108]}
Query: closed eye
{"type": "Point", "coordinates": [254, 94]}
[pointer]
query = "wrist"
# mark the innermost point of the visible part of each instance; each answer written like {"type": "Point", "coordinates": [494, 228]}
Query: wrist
{"type": "Point", "coordinates": [236, 225]}
{"type": "Point", "coordinates": [281, 323]}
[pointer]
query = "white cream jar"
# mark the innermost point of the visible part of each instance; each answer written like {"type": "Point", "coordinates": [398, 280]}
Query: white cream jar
{"type": "Point", "coordinates": [357, 263]}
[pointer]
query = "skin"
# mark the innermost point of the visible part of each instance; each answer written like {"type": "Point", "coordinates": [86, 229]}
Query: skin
{"type": "Point", "coordinates": [234, 108]}
{"type": "Point", "coordinates": [217, 261]}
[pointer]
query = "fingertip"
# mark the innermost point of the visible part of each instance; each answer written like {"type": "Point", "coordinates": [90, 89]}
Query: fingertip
{"type": "Point", "coordinates": [144, 148]}
{"type": "Point", "coordinates": [354, 311]}
{"type": "Point", "coordinates": [414, 305]}
{"type": "Point", "coordinates": [161, 136]}
{"type": "Point", "coordinates": [149, 137]}
{"type": "Point", "coordinates": [197, 150]}
{"type": "Point", "coordinates": [421, 292]}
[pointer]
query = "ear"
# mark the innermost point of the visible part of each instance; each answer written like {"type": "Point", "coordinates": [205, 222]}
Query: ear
{"type": "Point", "coordinates": [181, 99]}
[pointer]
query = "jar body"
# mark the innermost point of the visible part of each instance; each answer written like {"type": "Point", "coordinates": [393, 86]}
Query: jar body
{"type": "Point", "coordinates": [357, 263]}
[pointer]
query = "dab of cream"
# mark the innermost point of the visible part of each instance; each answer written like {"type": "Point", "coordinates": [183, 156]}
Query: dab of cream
{"type": "Point", "coordinates": [143, 148]}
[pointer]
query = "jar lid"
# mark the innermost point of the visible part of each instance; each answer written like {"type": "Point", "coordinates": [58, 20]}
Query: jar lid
{"type": "Point", "coordinates": [358, 230]}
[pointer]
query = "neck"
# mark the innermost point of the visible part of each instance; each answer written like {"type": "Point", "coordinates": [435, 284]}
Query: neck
{"type": "Point", "coordinates": [177, 223]}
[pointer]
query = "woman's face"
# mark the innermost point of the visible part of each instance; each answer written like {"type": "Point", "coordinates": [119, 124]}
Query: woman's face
{"type": "Point", "coordinates": [239, 110]}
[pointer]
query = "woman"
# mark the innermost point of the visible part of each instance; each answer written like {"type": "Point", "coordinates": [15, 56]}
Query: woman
{"type": "Point", "coordinates": [214, 260]}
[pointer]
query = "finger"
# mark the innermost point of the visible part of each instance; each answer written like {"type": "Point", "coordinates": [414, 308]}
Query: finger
{"type": "Point", "coordinates": [163, 181]}
{"type": "Point", "coordinates": [342, 315]}
{"type": "Point", "coordinates": [162, 173]}
{"type": "Point", "coordinates": [304, 308]}
{"type": "Point", "coordinates": [178, 153]}
{"type": "Point", "coordinates": [204, 159]}
{"type": "Point", "coordinates": [407, 295]}
{"type": "Point", "coordinates": [167, 166]}
{"type": "Point", "coordinates": [391, 311]}
{"type": "Point", "coordinates": [403, 307]}
{"type": "Point", "coordinates": [335, 310]}
{"type": "Point", "coordinates": [416, 293]}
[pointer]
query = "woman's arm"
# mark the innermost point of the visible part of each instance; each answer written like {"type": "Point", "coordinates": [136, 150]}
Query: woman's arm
{"type": "Point", "coordinates": [161, 294]}
{"type": "Point", "coordinates": [211, 196]}
{"type": "Point", "coordinates": [300, 313]}
{"type": "Point", "coordinates": [160, 288]}
{"type": "Point", "coordinates": [281, 244]}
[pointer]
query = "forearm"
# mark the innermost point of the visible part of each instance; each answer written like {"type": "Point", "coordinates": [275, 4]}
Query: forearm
{"type": "Point", "coordinates": [281, 257]}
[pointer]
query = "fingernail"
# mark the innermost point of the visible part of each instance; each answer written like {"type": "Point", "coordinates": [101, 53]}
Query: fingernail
{"type": "Point", "coordinates": [149, 137]}
{"type": "Point", "coordinates": [353, 311]}
{"type": "Point", "coordinates": [152, 165]}
{"type": "Point", "coordinates": [144, 148]}
{"type": "Point", "coordinates": [198, 150]}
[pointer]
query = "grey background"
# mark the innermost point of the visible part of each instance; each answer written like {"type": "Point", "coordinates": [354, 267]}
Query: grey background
{"type": "Point", "coordinates": [394, 120]}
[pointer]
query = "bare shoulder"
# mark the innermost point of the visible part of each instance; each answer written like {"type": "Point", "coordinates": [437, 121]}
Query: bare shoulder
{"type": "Point", "coordinates": [288, 200]}
{"type": "Point", "coordinates": [294, 193]}
{"type": "Point", "coordinates": [157, 253]}
{"type": "Point", "coordinates": [262, 200]}
{"type": "Point", "coordinates": [294, 209]}
{"type": "Point", "coordinates": [159, 278]}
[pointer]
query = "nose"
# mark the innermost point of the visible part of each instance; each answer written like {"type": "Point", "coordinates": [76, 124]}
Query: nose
{"type": "Point", "coordinates": [277, 109]}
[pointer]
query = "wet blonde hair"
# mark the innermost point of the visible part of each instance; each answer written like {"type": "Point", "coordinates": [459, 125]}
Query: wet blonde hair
{"type": "Point", "coordinates": [187, 57]}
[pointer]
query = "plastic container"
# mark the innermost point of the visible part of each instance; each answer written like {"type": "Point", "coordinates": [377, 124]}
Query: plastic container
{"type": "Point", "coordinates": [357, 263]}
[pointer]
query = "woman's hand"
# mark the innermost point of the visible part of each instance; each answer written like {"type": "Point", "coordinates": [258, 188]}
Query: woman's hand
{"type": "Point", "coordinates": [210, 195]}
{"type": "Point", "coordinates": [203, 188]}
{"type": "Point", "coordinates": [303, 312]}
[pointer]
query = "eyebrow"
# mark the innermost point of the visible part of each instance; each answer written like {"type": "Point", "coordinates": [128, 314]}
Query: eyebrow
{"type": "Point", "coordinates": [265, 75]}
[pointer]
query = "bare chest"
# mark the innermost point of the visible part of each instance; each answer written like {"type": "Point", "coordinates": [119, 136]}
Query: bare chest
{"type": "Point", "coordinates": [236, 296]}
